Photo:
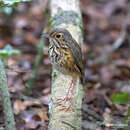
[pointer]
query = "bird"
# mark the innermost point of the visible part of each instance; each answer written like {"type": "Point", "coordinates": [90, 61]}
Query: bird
{"type": "Point", "coordinates": [65, 56]}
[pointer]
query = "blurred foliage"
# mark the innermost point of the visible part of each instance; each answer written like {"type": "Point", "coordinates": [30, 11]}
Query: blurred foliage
{"type": "Point", "coordinates": [121, 98]}
{"type": "Point", "coordinates": [128, 114]}
{"type": "Point", "coordinates": [7, 10]}
{"type": "Point", "coordinates": [11, 2]}
{"type": "Point", "coordinates": [8, 51]}
{"type": "Point", "coordinates": [7, 5]}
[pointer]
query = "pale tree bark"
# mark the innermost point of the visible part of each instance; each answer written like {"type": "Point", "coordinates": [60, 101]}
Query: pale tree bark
{"type": "Point", "coordinates": [65, 14]}
{"type": "Point", "coordinates": [6, 103]}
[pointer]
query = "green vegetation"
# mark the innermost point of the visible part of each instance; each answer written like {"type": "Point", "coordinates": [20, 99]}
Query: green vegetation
{"type": "Point", "coordinates": [121, 98]}
{"type": "Point", "coordinates": [11, 2]}
{"type": "Point", "coordinates": [8, 51]}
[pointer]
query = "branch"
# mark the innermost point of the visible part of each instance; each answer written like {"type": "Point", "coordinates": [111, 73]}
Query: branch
{"type": "Point", "coordinates": [117, 44]}
{"type": "Point", "coordinates": [8, 112]}
{"type": "Point", "coordinates": [31, 81]}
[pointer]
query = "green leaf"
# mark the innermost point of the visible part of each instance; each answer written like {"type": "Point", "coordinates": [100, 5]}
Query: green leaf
{"type": "Point", "coordinates": [128, 113]}
{"type": "Point", "coordinates": [12, 2]}
{"type": "Point", "coordinates": [6, 6]}
{"type": "Point", "coordinates": [8, 51]}
{"type": "Point", "coordinates": [121, 98]}
{"type": "Point", "coordinates": [16, 4]}
{"type": "Point", "coordinates": [1, 3]}
{"type": "Point", "coordinates": [125, 120]}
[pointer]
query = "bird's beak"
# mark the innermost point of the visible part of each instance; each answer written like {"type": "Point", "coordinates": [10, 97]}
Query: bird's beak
{"type": "Point", "coordinates": [46, 35]}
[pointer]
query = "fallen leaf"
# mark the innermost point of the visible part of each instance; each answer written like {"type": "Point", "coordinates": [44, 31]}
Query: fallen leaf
{"type": "Point", "coordinates": [42, 114]}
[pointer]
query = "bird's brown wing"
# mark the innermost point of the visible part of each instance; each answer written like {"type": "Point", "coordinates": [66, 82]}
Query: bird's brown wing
{"type": "Point", "coordinates": [77, 54]}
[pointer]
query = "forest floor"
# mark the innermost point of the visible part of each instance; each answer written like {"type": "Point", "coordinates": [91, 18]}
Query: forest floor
{"type": "Point", "coordinates": [106, 52]}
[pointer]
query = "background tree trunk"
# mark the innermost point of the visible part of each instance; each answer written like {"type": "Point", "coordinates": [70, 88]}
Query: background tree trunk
{"type": "Point", "coordinates": [65, 14]}
{"type": "Point", "coordinates": [8, 112]}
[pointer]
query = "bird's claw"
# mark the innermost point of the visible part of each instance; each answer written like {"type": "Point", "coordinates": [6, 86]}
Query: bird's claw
{"type": "Point", "coordinates": [64, 99]}
{"type": "Point", "coordinates": [67, 107]}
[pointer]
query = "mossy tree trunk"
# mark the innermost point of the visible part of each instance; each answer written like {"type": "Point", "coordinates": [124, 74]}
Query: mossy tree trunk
{"type": "Point", "coordinates": [6, 103]}
{"type": "Point", "coordinates": [65, 14]}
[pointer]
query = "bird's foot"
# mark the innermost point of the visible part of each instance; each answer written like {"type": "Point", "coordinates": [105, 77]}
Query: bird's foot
{"type": "Point", "coordinates": [67, 98]}
{"type": "Point", "coordinates": [67, 107]}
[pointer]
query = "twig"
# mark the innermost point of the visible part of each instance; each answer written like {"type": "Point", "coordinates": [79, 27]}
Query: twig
{"type": "Point", "coordinates": [121, 38]}
{"type": "Point", "coordinates": [104, 56]}
{"type": "Point", "coordinates": [31, 81]}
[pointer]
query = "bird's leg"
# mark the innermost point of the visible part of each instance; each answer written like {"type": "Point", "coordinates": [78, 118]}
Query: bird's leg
{"type": "Point", "coordinates": [67, 97]}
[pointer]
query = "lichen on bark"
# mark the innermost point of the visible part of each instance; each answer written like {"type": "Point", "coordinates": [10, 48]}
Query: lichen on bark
{"type": "Point", "coordinates": [6, 103]}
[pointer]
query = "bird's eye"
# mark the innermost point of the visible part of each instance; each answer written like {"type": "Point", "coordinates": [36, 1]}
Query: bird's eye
{"type": "Point", "coordinates": [58, 36]}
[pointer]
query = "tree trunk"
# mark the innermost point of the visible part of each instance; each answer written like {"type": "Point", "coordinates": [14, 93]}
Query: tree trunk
{"type": "Point", "coordinates": [8, 112]}
{"type": "Point", "coordinates": [65, 14]}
